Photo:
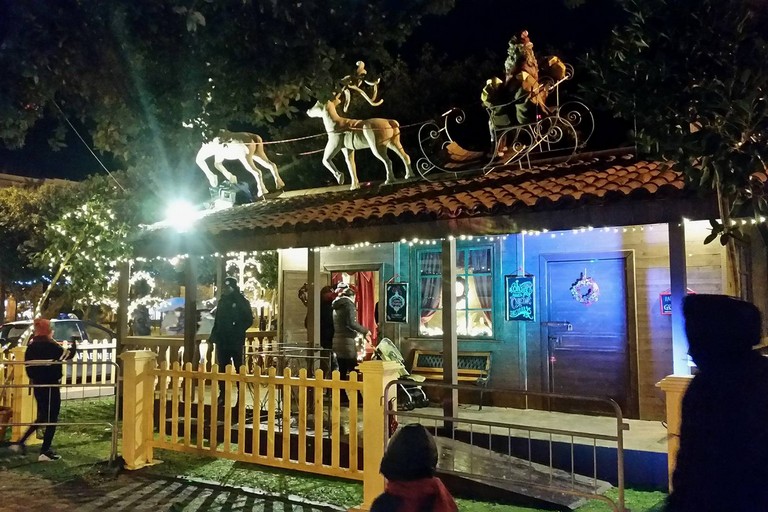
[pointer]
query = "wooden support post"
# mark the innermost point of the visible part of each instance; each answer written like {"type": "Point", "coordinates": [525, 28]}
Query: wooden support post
{"type": "Point", "coordinates": [450, 340]}
{"type": "Point", "coordinates": [678, 288]}
{"type": "Point", "coordinates": [190, 312]}
{"type": "Point", "coordinates": [221, 273]}
{"type": "Point", "coordinates": [138, 408]}
{"type": "Point", "coordinates": [123, 288]}
{"type": "Point", "coordinates": [376, 376]}
{"type": "Point", "coordinates": [314, 281]}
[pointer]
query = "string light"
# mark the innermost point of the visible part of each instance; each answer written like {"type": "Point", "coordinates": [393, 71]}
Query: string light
{"type": "Point", "coordinates": [417, 242]}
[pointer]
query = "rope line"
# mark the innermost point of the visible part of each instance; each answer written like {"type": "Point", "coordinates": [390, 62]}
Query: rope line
{"type": "Point", "coordinates": [352, 129]}
{"type": "Point", "coordinates": [86, 145]}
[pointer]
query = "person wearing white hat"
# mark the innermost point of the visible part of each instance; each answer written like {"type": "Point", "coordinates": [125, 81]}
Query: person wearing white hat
{"type": "Point", "coordinates": [346, 328]}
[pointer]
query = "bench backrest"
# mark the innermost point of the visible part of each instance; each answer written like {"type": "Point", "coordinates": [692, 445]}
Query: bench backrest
{"type": "Point", "coordinates": [469, 363]}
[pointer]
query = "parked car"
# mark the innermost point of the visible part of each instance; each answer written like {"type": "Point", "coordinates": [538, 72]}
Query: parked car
{"type": "Point", "coordinates": [19, 332]}
{"type": "Point", "coordinates": [84, 332]}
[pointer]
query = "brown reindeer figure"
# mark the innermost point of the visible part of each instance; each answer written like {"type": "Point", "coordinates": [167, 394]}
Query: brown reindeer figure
{"type": "Point", "coordinates": [245, 147]}
{"type": "Point", "coordinates": [348, 135]}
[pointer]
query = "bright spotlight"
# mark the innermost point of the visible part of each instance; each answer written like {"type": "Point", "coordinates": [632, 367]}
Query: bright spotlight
{"type": "Point", "coordinates": [181, 215]}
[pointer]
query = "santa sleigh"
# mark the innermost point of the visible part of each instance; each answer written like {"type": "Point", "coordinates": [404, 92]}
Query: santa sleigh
{"type": "Point", "coordinates": [528, 125]}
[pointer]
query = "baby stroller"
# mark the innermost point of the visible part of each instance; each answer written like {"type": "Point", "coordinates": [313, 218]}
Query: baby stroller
{"type": "Point", "coordinates": [409, 396]}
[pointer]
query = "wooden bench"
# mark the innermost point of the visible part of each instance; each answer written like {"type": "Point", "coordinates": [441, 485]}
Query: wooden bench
{"type": "Point", "coordinates": [473, 367]}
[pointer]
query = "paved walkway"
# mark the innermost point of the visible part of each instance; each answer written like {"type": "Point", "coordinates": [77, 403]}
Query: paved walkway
{"type": "Point", "coordinates": [129, 492]}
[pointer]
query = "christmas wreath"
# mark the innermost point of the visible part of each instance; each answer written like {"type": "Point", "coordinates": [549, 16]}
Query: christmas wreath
{"type": "Point", "coordinates": [585, 290]}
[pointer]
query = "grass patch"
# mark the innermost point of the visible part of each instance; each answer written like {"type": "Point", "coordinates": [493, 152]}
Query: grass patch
{"type": "Point", "coordinates": [86, 448]}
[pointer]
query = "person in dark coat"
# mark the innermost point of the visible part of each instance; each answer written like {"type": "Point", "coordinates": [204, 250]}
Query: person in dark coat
{"type": "Point", "coordinates": [46, 379]}
{"type": "Point", "coordinates": [409, 465]}
{"type": "Point", "coordinates": [346, 328]}
{"type": "Point", "coordinates": [327, 296]}
{"type": "Point", "coordinates": [232, 318]}
{"type": "Point", "coordinates": [141, 324]}
{"type": "Point", "coordinates": [722, 464]}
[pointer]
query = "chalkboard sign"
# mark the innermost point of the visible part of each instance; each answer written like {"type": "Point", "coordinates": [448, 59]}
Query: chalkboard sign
{"type": "Point", "coordinates": [521, 298]}
{"type": "Point", "coordinates": [396, 299]}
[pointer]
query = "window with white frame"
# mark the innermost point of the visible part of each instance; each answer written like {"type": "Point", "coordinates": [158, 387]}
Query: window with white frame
{"type": "Point", "coordinates": [474, 292]}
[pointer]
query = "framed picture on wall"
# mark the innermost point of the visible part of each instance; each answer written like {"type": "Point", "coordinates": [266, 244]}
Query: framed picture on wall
{"type": "Point", "coordinates": [521, 297]}
{"type": "Point", "coordinates": [396, 300]}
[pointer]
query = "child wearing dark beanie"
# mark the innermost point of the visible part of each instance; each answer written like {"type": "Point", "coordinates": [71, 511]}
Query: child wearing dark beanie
{"type": "Point", "coordinates": [409, 465]}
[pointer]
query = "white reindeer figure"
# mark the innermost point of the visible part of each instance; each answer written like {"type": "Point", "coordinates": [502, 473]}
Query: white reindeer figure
{"type": "Point", "coordinates": [347, 135]}
{"type": "Point", "coordinates": [246, 147]}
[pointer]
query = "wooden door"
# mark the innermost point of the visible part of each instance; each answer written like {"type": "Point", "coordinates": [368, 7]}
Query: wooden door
{"type": "Point", "coordinates": [586, 346]}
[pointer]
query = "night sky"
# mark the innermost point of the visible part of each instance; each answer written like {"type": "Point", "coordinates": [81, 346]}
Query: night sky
{"type": "Point", "coordinates": [474, 27]}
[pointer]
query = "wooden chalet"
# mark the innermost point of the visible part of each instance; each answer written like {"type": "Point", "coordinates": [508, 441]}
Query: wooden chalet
{"type": "Point", "coordinates": [628, 226]}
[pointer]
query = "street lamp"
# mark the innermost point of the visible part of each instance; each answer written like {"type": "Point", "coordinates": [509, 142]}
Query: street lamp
{"type": "Point", "coordinates": [182, 215]}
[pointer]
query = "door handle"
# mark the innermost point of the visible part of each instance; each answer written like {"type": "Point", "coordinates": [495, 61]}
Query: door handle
{"type": "Point", "coordinates": [563, 324]}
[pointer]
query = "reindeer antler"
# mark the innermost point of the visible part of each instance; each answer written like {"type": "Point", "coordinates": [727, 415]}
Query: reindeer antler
{"type": "Point", "coordinates": [353, 83]}
{"type": "Point", "coordinates": [370, 99]}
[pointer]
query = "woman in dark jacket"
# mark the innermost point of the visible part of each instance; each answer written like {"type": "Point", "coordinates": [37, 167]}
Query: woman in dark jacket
{"type": "Point", "coordinates": [346, 328]}
{"type": "Point", "coordinates": [409, 465]}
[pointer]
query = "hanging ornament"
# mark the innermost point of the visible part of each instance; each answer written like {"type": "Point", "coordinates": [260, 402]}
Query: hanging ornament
{"type": "Point", "coordinates": [585, 290]}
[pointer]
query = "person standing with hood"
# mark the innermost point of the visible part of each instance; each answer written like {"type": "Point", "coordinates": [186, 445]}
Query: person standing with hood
{"type": "Point", "coordinates": [346, 328]}
{"type": "Point", "coordinates": [232, 318]}
{"type": "Point", "coordinates": [722, 464]}
{"type": "Point", "coordinates": [46, 380]}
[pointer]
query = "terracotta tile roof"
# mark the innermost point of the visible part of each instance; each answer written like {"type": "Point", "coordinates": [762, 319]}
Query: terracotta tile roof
{"type": "Point", "coordinates": [601, 189]}
{"type": "Point", "coordinates": [503, 191]}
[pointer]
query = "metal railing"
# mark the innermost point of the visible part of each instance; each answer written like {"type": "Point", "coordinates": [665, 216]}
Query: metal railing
{"type": "Point", "coordinates": [510, 442]}
{"type": "Point", "coordinates": [14, 383]}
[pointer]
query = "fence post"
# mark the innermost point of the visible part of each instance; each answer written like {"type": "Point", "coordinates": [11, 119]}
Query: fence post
{"type": "Point", "coordinates": [138, 407]}
{"type": "Point", "coordinates": [24, 405]}
{"type": "Point", "coordinates": [376, 376]}
{"type": "Point", "coordinates": [674, 387]}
